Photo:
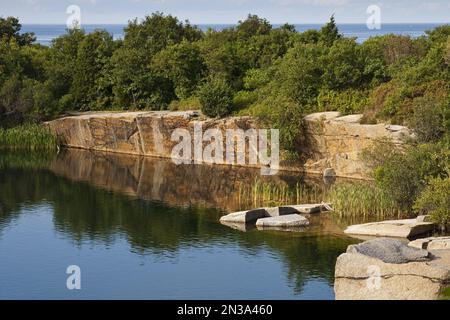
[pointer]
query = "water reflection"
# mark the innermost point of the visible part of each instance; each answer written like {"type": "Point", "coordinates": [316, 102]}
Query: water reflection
{"type": "Point", "coordinates": [160, 209]}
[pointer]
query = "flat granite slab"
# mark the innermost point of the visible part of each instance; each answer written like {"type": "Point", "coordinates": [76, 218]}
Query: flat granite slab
{"type": "Point", "coordinates": [432, 243]}
{"type": "Point", "coordinates": [250, 216]}
{"type": "Point", "coordinates": [392, 228]}
{"type": "Point", "coordinates": [245, 216]}
{"type": "Point", "coordinates": [292, 220]}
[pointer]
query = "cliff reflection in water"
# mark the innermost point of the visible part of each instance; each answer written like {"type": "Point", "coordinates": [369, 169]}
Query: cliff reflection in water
{"type": "Point", "coordinates": [162, 180]}
{"type": "Point", "coordinates": [170, 208]}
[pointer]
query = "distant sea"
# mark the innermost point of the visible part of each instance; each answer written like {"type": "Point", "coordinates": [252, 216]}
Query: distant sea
{"type": "Point", "coordinates": [46, 33]}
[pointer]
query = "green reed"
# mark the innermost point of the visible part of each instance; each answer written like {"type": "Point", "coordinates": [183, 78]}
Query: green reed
{"type": "Point", "coordinates": [31, 137]}
{"type": "Point", "coordinates": [362, 200]}
{"type": "Point", "coordinates": [265, 194]}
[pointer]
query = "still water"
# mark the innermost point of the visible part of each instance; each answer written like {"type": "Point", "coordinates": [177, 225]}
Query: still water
{"type": "Point", "coordinates": [142, 228]}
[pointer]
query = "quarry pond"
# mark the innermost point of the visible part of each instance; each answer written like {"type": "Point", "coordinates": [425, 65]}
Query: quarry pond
{"type": "Point", "coordinates": [145, 228]}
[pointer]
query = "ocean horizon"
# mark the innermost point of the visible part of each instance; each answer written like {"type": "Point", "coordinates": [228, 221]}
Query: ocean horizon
{"type": "Point", "coordinates": [45, 33]}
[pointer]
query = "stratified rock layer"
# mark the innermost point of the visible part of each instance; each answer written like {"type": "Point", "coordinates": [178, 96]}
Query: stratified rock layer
{"type": "Point", "coordinates": [332, 142]}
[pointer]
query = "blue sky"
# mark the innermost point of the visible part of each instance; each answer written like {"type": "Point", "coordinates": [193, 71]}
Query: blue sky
{"type": "Point", "coordinates": [228, 11]}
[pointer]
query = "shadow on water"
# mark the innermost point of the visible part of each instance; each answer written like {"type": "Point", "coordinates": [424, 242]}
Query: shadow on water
{"type": "Point", "coordinates": [159, 208]}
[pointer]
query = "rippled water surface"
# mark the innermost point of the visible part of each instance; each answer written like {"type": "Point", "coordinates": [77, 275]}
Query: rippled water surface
{"type": "Point", "coordinates": [142, 228]}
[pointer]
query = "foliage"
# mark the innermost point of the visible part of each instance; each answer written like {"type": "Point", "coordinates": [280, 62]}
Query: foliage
{"type": "Point", "coordinates": [435, 200]}
{"type": "Point", "coordinates": [216, 98]}
{"type": "Point", "coordinates": [10, 29]}
{"type": "Point", "coordinates": [192, 103]}
{"type": "Point", "coordinates": [428, 119]}
{"type": "Point", "coordinates": [27, 137]}
{"type": "Point", "coordinates": [405, 175]}
{"type": "Point", "coordinates": [362, 200]}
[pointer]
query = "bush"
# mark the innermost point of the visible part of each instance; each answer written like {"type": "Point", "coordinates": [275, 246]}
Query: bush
{"type": "Point", "coordinates": [216, 98]}
{"type": "Point", "coordinates": [405, 175]}
{"type": "Point", "coordinates": [435, 201]}
{"type": "Point", "coordinates": [428, 119]}
{"type": "Point", "coordinates": [192, 103]}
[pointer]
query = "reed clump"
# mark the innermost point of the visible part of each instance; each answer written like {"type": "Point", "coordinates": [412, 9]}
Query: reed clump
{"type": "Point", "coordinates": [267, 194]}
{"type": "Point", "coordinates": [30, 137]}
{"type": "Point", "coordinates": [362, 200]}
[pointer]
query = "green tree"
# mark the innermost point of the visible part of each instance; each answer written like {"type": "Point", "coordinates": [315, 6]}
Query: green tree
{"type": "Point", "coordinates": [183, 65]}
{"type": "Point", "coordinates": [330, 32]}
{"type": "Point", "coordinates": [10, 29]}
{"type": "Point", "coordinates": [91, 88]}
{"type": "Point", "coordinates": [216, 98]}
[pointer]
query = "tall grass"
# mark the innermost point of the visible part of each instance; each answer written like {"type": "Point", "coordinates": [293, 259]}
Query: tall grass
{"type": "Point", "coordinates": [362, 200]}
{"type": "Point", "coordinates": [267, 194]}
{"type": "Point", "coordinates": [30, 137]}
{"type": "Point", "coordinates": [359, 200]}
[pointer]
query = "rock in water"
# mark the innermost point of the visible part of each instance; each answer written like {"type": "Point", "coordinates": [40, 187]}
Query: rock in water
{"type": "Point", "coordinates": [292, 220]}
{"type": "Point", "coordinates": [393, 228]}
{"type": "Point", "coordinates": [389, 251]}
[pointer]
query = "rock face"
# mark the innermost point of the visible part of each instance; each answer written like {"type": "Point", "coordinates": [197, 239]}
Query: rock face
{"type": "Point", "coordinates": [392, 228]}
{"type": "Point", "coordinates": [332, 141]}
{"type": "Point", "coordinates": [291, 220]}
{"type": "Point", "coordinates": [336, 142]}
{"type": "Point", "coordinates": [432, 243]}
{"type": "Point", "coordinates": [365, 272]}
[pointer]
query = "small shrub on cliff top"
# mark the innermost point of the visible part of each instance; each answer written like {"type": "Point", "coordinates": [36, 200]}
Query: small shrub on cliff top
{"type": "Point", "coordinates": [216, 98]}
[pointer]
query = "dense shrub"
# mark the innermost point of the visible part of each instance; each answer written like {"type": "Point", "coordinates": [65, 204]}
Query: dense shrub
{"type": "Point", "coordinates": [405, 175]}
{"type": "Point", "coordinates": [428, 119]}
{"type": "Point", "coordinates": [435, 201]}
{"type": "Point", "coordinates": [216, 98]}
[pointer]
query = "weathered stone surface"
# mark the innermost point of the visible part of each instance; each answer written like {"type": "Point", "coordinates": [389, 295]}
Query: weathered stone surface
{"type": "Point", "coordinates": [337, 142]}
{"type": "Point", "coordinates": [292, 220]}
{"type": "Point", "coordinates": [389, 251]}
{"type": "Point", "coordinates": [361, 277]}
{"type": "Point", "coordinates": [331, 141]}
{"type": "Point", "coordinates": [244, 216]}
{"type": "Point", "coordinates": [392, 228]}
{"type": "Point", "coordinates": [432, 243]}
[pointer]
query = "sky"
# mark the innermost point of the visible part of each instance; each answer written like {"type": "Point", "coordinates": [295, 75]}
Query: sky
{"type": "Point", "coordinates": [227, 11]}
